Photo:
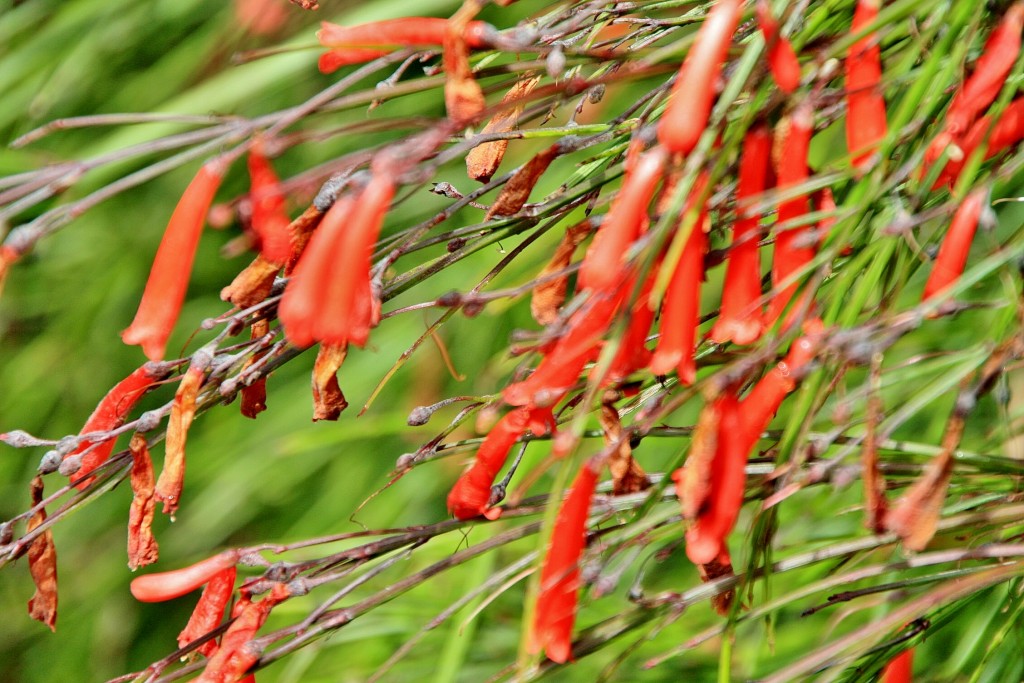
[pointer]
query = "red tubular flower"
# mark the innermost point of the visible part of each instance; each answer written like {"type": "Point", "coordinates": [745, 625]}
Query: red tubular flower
{"type": "Point", "coordinates": [949, 264]}
{"type": "Point", "coordinates": [168, 279]}
{"type": "Point", "coordinates": [163, 586]}
{"type": "Point", "coordinates": [740, 320]}
{"type": "Point", "coordinates": [363, 43]}
{"type": "Point", "coordinates": [782, 59]}
{"type": "Point", "coordinates": [303, 299]}
{"type": "Point", "coordinates": [563, 363]}
{"type": "Point", "coordinates": [792, 250]}
{"type": "Point", "coordinates": [680, 310]}
{"type": "Point", "coordinates": [758, 408]}
{"type": "Point", "coordinates": [633, 353]}
{"type": "Point", "coordinates": [990, 72]}
{"type": "Point", "coordinates": [350, 309]}
{"type": "Point", "coordinates": [705, 539]}
{"type": "Point", "coordinates": [233, 658]}
{"type": "Point", "coordinates": [472, 492]}
{"type": "Point", "coordinates": [605, 259]}
{"type": "Point", "coordinates": [900, 669]}
{"type": "Point", "coordinates": [865, 114]}
{"type": "Point", "coordinates": [109, 414]}
{"type": "Point", "coordinates": [269, 219]}
{"type": "Point", "coordinates": [1007, 132]}
{"type": "Point", "coordinates": [693, 94]}
{"type": "Point", "coordinates": [560, 576]}
{"type": "Point", "coordinates": [209, 610]}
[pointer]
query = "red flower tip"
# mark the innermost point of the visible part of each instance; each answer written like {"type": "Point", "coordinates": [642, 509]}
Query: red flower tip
{"type": "Point", "coordinates": [865, 116]}
{"type": "Point", "coordinates": [689, 106]}
{"type": "Point", "coordinates": [782, 59]}
{"type": "Point", "coordinates": [559, 579]}
{"type": "Point", "coordinates": [168, 279]}
{"type": "Point", "coordinates": [900, 669]}
{"type": "Point", "coordinates": [163, 586]}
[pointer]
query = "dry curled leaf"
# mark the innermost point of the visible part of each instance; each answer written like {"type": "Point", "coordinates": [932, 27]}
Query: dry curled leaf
{"type": "Point", "coordinates": [484, 159]}
{"type": "Point", "coordinates": [549, 294]}
{"type": "Point", "coordinates": [627, 475]}
{"type": "Point", "coordinates": [254, 396]}
{"type": "Point", "coordinates": [142, 546]}
{"type": "Point", "coordinates": [302, 229]}
{"type": "Point", "coordinates": [463, 98]}
{"type": "Point", "coordinates": [172, 477]}
{"type": "Point", "coordinates": [253, 284]}
{"type": "Point", "coordinates": [328, 401]}
{"type": "Point", "coordinates": [42, 564]}
{"type": "Point", "coordinates": [517, 190]}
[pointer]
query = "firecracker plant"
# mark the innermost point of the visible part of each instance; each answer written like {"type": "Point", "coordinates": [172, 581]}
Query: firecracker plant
{"type": "Point", "coordinates": [738, 283]}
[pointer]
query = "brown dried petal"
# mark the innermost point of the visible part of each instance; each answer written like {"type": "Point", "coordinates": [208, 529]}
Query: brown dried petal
{"type": "Point", "coordinates": [627, 475]}
{"type": "Point", "coordinates": [716, 569]}
{"type": "Point", "coordinates": [328, 401]}
{"type": "Point", "coordinates": [516, 192]}
{"type": "Point", "coordinates": [142, 546]}
{"type": "Point", "coordinates": [463, 98]}
{"type": "Point", "coordinates": [548, 295]}
{"type": "Point", "coordinates": [172, 477]}
{"type": "Point", "coordinates": [875, 505]}
{"type": "Point", "coordinates": [254, 396]}
{"type": "Point", "coordinates": [42, 564]}
{"type": "Point", "coordinates": [302, 229]}
{"type": "Point", "coordinates": [484, 159]}
{"type": "Point", "coordinates": [694, 479]}
{"type": "Point", "coordinates": [253, 284]}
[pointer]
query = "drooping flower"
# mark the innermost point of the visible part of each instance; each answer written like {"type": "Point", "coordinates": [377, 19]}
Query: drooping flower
{"type": "Point", "coordinates": [952, 257]}
{"type": "Point", "coordinates": [865, 113]}
{"type": "Point", "coordinates": [471, 494]}
{"type": "Point", "coordinates": [162, 586]}
{"type": "Point", "coordinates": [740, 319]}
{"type": "Point", "coordinates": [110, 413]}
{"type": "Point", "coordinates": [693, 94]}
{"type": "Point", "coordinates": [269, 220]}
{"type": "Point", "coordinates": [168, 279]}
{"type": "Point", "coordinates": [560, 575]}
{"type": "Point", "coordinates": [782, 59]}
{"type": "Point", "coordinates": [209, 610]}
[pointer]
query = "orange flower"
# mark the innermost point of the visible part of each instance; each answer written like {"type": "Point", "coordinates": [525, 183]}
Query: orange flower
{"type": "Point", "coordinates": [560, 576]}
{"type": "Point", "coordinates": [162, 586]}
{"type": "Point", "coordinates": [952, 258]}
{"type": "Point", "coordinates": [209, 610]}
{"type": "Point", "coordinates": [110, 413]}
{"type": "Point", "coordinates": [680, 311]}
{"type": "Point", "coordinates": [168, 279]}
{"type": "Point", "coordinates": [689, 105]}
{"type": "Point", "coordinates": [740, 319]}
{"type": "Point", "coordinates": [865, 115]}
{"type": "Point", "coordinates": [472, 492]}
{"type": "Point", "coordinates": [269, 220]}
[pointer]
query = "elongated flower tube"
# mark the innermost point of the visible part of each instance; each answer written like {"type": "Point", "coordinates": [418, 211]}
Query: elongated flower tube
{"type": "Point", "coordinates": [990, 72]}
{"type": "Point", "coordinates": [865, 114]}
{"type": "Point", "coordinates": [364, 43]}
{"type": "Point", "coordinates": [782, 59]}
{"type": "Point", "coordinates": [693, 94]}
{"type": "Point", "coordinates": [162, 586]}
{"type": "Point", "coordinates": [168, 279]}
{"type": "Point", "coordinates": [1007, 131]}
{"type": "Point", "coordinates": [110, 413]}
{"type": "Point", "coordinates": [680, 309]}
{"type": "Point", "coordinates": [560, 575]}
{"type": "Point", "coordinates": [952, 257]}
{"type": "Point", "coordinates": [303, 299]}
{"type": "Point", "coordinates": [270, 222]}
{"type": "Point", "coordinates": [603, 264]}
{"type": "Point", "coordinates": [209, 610]}
{"type": "Point", "coordinates": [471, 494]}
{"type": "Point", "coordinates": [740, 319]}
{"type": "Point", "coordinates": [562, 364]}
{"type": "Point", "coordinates": [633, 353]}
{"type": "Point", "coordinates": [233, 658]}
{"type": "Point", "coordinates": [793, 251]}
